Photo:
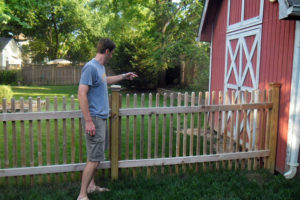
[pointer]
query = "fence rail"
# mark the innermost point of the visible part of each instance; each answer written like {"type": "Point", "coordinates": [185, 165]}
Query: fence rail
{"type": "Point", "coordinates": [214, 135]}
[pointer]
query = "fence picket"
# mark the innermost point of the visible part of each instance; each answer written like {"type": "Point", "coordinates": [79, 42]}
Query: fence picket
{"type": "Point", "coordinates": [171, 129]}
{"type": "Point", "coordinates": [31, 139]}
{"type": "Point", "coordinates": [149, 135]}
{"type": "Point", "coordinates": [232, 128]}
{"type": "Point", "coordinates": [199, 130]}
{"type": "Point", "coordinates": [23, 154]}
{"type": "Point", "coordinates": [163, 141]}
{"type": "Point", "coordinates": [263, 127]}
{"type": "Point", "coordinates": [134, 134]}
{"type": "Point", "coordinates": [56, 137]}
{"type": "Point", "coordinates": [205, 130]}
{"type": "Point", "coordinates": [192, 127]}
{"type": "Point", "coordinates": [250, 161]}
{"type": "Point", "coordinates": [244, 129]}
{"type": "Point", "coordinates": [40, 158]}
{"type": "Point", "coordinates": [156, 131]}
{"type": "Point", "coordinates": [238, 129]}
{"type": "Point", "coordinates": [127, 131]}
{"type": "Point", "coordinates": [48, 139]}
{"type": "Point", "coordinates": [212, 128]}
{"type": "Point", "coordinates": [14, 133]}
{"type": "Point", "coordinates": [64, 108]}
{"type": "Point", "coordinates": [266, 160]}
{"type": "Point", "coordinates": [178, 132]}
{"type": "Point", "coordinates": [72, 136]}
{"type": "Point", "coordinates": [185, 120]}
{"type": "Point", "coordinates": [225, 128]}
{"type": "Point", "coordinates": [142, 134]}
{"type": "Point", "coordinates": [219, 130]}
{"type": "Point", "coordinates": [257, 128]}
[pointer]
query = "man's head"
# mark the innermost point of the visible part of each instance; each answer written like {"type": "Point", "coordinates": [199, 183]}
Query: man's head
{"type": "Point", "coordinates": [105, 44]}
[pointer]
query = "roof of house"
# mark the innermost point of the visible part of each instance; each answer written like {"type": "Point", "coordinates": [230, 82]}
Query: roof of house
{"type": "Point", "coordinates": [289, 9]}
{"type": "Point", "coordinates": [4, 42]}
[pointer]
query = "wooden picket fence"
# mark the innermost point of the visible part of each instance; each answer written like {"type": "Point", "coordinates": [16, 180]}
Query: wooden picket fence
{"type": "Point", "coordinates": [169, 137]}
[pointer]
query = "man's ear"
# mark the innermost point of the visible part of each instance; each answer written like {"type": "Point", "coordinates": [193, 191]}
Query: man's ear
{"type": "Point", "coordinates": [107, 51]}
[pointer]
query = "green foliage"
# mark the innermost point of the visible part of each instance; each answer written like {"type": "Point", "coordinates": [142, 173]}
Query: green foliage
{"type": "Point", "coordinates": [5, 92]}
{"type": "Point", "coordinates": [153, 36]}
{"type": "Point", "coordinates": [132, 56]}
{"type": "Point", "coordinates": [9, 76]}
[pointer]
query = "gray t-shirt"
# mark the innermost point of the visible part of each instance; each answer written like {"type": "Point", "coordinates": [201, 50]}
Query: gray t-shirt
{"type": "Point", "coordinates": [93, 74]}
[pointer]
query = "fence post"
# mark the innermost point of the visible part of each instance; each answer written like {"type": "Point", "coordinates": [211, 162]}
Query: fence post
{"type": "Point", "coordinates": [275, 88]}
{"type": "Point", "coordinates": [115, 106]}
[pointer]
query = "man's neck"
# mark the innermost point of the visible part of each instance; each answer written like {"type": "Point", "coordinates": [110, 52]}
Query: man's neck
{"type": "Point", "coordinates": [100, 58]}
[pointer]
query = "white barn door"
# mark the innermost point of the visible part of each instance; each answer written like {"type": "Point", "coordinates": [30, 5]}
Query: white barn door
{"type": "Point", "coordinates": [242, 59]}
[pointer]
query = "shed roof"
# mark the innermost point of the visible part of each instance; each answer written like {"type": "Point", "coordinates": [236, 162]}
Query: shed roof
{"type": "Point", "coordinates": [289, 9]}
{"type": "Point", "coordinates": [3, 42]}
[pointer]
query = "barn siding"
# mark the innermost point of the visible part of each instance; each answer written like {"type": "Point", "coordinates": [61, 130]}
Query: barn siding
{"type": "Point", "coordinates": [276, 62]}
{"type": "Point", "coordinates": [276, 66]}
{"type": "Point", "coordinates": [218, 51]}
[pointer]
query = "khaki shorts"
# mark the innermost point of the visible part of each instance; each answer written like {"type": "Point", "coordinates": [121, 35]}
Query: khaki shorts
{"type": "Point", "coordinates": [97, 144]}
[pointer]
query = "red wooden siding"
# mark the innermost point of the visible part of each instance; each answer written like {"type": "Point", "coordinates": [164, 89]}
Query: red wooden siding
{"type": "Point", "coordinates": [218, 50]}
{"type": "Point", "coordinates": [251, 9]}
{"type": "Point", "coordinates": [235, 8]}
{"type": "Point", "coordinates": [276, 66]}
{"type": "Point", "coordinates": [276, 58]}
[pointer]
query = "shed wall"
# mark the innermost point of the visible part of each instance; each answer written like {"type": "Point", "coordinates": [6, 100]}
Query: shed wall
{"type": "Point", "coordinates": [275, 65]}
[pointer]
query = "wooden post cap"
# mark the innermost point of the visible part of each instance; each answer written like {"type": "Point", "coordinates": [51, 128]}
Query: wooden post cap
{"type": "Point", "coordinates": [115, 87]}
{"type": "Point", "coordinates": [275, 85]}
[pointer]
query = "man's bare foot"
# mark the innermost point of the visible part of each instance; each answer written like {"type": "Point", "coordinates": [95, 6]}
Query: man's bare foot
{"type": "Point", "coordinates": [97, 189]}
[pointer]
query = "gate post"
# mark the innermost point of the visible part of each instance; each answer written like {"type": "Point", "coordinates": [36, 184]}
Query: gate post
{"type": "Point", "coordinates": [275, 89]}
{"type": "Point", "coordinates": [115, 106]}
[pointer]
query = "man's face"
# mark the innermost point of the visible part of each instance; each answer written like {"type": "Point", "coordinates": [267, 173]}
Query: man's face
{"type": "Point", "coordinates": [108, 55]}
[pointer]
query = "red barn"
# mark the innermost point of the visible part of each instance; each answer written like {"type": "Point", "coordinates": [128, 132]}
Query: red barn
{"type": "Point", "coordinates": [254, 42]}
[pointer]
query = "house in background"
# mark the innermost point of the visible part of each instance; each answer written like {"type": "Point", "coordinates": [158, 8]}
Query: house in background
{"type": "Point", "coordinates": [253, 43]}
{"type": "Point", "coordinates": [10, 54]}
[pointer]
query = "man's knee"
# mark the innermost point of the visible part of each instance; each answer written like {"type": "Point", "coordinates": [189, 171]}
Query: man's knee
{"type": "Point", "coordinates": [92, 164]}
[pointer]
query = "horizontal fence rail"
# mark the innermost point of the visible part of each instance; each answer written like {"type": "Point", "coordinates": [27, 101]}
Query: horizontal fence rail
{"type": "Point", "coordinates": [149, 134]}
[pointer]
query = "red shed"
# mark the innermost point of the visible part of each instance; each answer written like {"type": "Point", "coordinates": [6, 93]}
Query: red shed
{"type": "Point", "coordinates": [254, 42]}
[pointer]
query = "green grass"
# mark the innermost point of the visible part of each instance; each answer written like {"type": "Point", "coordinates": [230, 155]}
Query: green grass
{"type": "Point", "coordinates": [231, 185]}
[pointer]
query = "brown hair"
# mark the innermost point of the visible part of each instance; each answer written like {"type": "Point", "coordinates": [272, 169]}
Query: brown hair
{"type": "Point", "coordinates": [105, 43]}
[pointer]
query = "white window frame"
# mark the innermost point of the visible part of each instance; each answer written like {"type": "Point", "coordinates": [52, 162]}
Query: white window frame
{"type": "Point", "coordinates": [244, 23]}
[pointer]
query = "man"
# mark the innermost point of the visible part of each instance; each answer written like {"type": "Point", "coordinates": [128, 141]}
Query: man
{"type": "Point", "coordinates": [93, 100]}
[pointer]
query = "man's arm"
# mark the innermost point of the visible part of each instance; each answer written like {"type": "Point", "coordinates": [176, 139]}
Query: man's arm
{"type": "Point", "coordinates": [84, 107]}
{"type": "Point", "coordinates": [114, 79]}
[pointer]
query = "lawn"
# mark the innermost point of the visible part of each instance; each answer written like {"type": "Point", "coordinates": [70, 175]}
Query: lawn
{"type": "Point", "coordinates": [231, 185]}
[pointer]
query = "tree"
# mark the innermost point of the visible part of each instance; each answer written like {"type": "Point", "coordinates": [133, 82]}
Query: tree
{"type": "Point", "coordinates": [51, 25]}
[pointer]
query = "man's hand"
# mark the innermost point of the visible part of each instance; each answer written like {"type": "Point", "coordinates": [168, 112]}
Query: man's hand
{"type": "Point", "coordinates": [130, 76]}
{"type": "Point", "coordinates": [90, 128]}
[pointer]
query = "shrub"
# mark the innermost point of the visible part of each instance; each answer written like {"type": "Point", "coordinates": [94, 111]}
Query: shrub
{"type": "Point", "coordinates": [8, 77]}
{"type": "Point", "coordinates": [5, 92]}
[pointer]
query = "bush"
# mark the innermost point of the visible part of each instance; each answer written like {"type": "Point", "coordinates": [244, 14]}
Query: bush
{"type": "Point", "coordinates": [8, 77]}
{"type": "Point", "coordinates": [5, 92]}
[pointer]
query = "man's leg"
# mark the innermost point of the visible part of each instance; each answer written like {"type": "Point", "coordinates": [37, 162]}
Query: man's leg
{"type": "Point", "coordinates": [93, 187]}
{"type": "Point", "coordinates": [87, 176]}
